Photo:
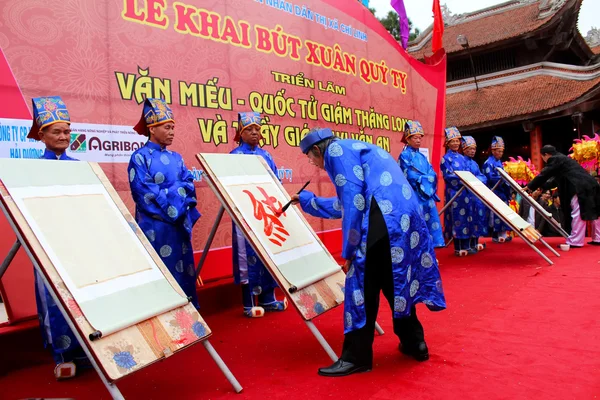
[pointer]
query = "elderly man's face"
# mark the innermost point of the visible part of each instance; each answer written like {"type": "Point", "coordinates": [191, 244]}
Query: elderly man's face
{"type": "Point", "coordinates": [315, 157]}
{"type": "Point", "coordinates": [454, 144]}
{"type": "Point", "coordinates": [497, 153]}
{"type": "Point", "coordinates": [470, 151]}
{"type": "Point", "coordinates": [545, 157]}
{"type": "Point", "coordinates": [251, 135]}
{"type": "Point", "coordinates": [414, 141]}
{"type": "Point", "coordinates": [56, 137]}
{"type": "Point", "coordinates": [164, 134]}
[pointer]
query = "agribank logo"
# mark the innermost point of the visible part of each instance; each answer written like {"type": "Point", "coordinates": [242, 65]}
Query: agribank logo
{"type": "Point", "coordinates": [78, 143]}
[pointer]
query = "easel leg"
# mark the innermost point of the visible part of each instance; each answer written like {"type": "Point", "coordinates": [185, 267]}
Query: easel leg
{"type": "Point", "coordinates": [112, 388]}
{"type": "Point", "coordinates": [451, 200]}
{"type": "Point", "coordinates": [322, 341]}
{"type": "Point", "coordinates": [209, 241]}
{"type": "Point", "coordinates": [378, 329]}
{"type": "Point", "coordinates": [222, 366]}
{"type": "Point", "coordinates": [535, 248]}
{"type": "Point", "coordinates": [550, 247]}
{"type": "Point", "coordinates": [9, 257]}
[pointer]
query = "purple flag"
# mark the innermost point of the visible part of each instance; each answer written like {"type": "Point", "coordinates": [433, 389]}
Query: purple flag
{"type": "Point", "coordinates": [398, 6]}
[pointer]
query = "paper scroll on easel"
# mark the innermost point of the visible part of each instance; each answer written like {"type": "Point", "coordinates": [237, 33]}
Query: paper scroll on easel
{"type": "Point", "coordinates": [102, 262]}
{"type": "Point", "coordinates": [498, 206]}
{"type": "Point", "coordinates": [537, 206]}
{"type": "Point", "coordinates": [287, 240]}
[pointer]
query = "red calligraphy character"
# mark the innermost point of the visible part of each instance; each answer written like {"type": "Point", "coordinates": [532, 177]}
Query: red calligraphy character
{"type": "Point", "coordinates": [266, 210]}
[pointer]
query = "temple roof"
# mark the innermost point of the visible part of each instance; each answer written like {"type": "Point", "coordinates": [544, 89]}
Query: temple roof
{"type": "Point", "coordinates": [494, 24]}
{"type": "Point", "coordinates": [519, 94]}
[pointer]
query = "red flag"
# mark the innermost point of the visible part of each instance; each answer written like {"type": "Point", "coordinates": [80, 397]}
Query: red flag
{"type": "Point", "coordinates": [438, 27]}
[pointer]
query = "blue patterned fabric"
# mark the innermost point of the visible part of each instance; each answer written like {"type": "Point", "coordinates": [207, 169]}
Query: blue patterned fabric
{"type": "Point", "coordinates": [503, 191]}
{"type": "Point", "coordinates": [452, 133]}
{"type": "Point", "coordinates": [55, 330]}
{"type": "Point", "coordinates": [456, 216]}
{"type": "Point", "coordinates": [165, 199]}
{"type": "Point", "coordinates": [497, 142]}
{"type": "Point", "coordinates": [47, 111]}
{"type": "Point", "coordinates": [245, 120]}
{"type": "Point", "coordinates": [423, 179]}
{"type": "Point", "coordinates": [479, 211]}
{"type": "Point", "coordinates": [320, 207]}
{"type": "Point", "coordinates": [412, 128]}
{"type": "Point", "coordinates": [467, 141]}
{"type": "Point", "coordinates": [362, 172]}
{"type": "Point", "coordinates": [247, 267]}
{"type": "Point", "coordinates": [155, 112]}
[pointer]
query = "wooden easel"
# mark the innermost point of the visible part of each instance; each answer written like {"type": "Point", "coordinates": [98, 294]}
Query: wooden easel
{"type": "Point", "coordinates": [221, 196]}
{"type": "Point", "coordinates": [27, 240]}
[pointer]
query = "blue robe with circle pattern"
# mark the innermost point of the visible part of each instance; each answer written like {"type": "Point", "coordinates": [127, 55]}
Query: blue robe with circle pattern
{"type": "Point", "coordinates": [247, 267]}
{"type": "Point", "coordinates": [456, 225]}
{"type": "Point", "coordinates": [423, 179]}
{"type": "Point", "coordinates": [362, 172]}
{"type": "Point", "coordinates": [495, 224]}
{"type": "Point", "coordinates": [321, 207]}
{"type": "Point", "coordinates": [55, 330]}
{"type": "Point", "coordinates": [165, 209]}
{"type": "Point", "coordinates": [479, 211]}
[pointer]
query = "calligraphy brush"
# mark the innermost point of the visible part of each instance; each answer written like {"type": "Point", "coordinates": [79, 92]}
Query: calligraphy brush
{"type": "Point", "coordinates": [289, 203]}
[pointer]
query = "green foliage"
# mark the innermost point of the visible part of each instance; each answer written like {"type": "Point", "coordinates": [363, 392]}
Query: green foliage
{"type": "Point", "coordinates": [390, 22]}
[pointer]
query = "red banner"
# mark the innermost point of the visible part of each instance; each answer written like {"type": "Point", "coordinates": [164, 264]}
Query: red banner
{"type": "Point", "coordinates": [301, 64]}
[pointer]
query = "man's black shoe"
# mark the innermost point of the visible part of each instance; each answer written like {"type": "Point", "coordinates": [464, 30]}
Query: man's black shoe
{"type": "Point", "coordinates": [343, 368]}
{"type": "Point", "coordinates": [420, 352]}
{"type": "Point", "coordinates": [594, 243]}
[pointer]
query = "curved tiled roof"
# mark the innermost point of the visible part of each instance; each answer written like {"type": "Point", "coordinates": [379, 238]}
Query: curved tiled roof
{"type": "Point", "coordinates": [518, 98]}
{"type": "Point", "coordinates": [485, 29]}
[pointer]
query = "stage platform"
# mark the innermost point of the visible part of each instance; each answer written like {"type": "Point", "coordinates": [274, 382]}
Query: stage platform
{"type": "Point", "coordinates": [515, 328]}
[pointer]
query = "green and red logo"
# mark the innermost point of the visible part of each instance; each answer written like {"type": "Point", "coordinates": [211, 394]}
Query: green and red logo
{"type": "Point", "coordinates": [78, 143]}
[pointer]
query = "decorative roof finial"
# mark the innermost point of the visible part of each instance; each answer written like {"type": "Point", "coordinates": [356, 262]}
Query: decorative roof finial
{"type": "Point", "coordinates": [593, 37]}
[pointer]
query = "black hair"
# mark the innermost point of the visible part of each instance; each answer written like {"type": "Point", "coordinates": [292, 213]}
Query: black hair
{"type": "Point", "coordinates": [548, 149]}
{"type": "Point", "coordinates": [322, 145]}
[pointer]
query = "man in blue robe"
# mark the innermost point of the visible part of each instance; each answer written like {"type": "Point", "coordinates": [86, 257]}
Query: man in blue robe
{"type": "Point", "coordinates": [422, 178]}
{"type": "Point", "coordinates": [52, 126]}
{"type": "Point", "coordinates": [498, 229]}
{"type": "Point", "coordinates": [248, 270]}
{"type": "Point", "coordinates": [386, 245]}
{"type": "Point", "coordinates": [478, 214]}
{"type": "Point", "coordinates": [456, 225]}
{"type": "Point", "coordinates": [164, 194]}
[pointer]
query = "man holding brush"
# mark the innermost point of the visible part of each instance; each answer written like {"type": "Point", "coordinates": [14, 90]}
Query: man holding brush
{"type": "Point", "coordinates": [386, 245]}
{"type": "Point", "coordinates": [248, 270]}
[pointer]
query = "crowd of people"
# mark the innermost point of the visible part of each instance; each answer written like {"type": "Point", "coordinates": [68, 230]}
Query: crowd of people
{"type": "Point", "coordinates": [388, 207]}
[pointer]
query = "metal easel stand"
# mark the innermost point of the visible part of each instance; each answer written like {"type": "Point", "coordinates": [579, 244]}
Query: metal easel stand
{"type": "Point", "coordinates": [451, 201]}
{"type": "Point", "coordinates": [310, 324]}
{"type": "Point", "coordinates": [518, 231]}
{"type": "Point", "coordinates": [9, 257]}
{"type": "Point", "coordinates": [209, 241]}
{"type": "Point", "coordinates": [322, 341]}
{"type": "Point", "coordinates": [222, 366]}
{"type": "Point", "coordinates": [112, 388]}
{"type": "Point", "coordinates": [549, 247]}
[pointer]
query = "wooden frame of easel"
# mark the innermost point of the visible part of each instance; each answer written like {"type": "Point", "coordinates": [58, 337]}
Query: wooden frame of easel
{"type": "Point", "coordinates": [34, 250]}
{"type": "Point", "coordinates": [320, 288]}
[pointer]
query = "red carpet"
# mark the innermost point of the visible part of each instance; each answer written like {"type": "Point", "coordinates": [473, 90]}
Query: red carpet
{"type": "Point", "coordinates": [515, 328]}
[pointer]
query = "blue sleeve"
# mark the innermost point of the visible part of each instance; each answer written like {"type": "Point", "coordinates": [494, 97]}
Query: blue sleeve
{"type": "Point", "coordinates": [271, 164]}
{"type": "Point", "coordinates": [448, 171]}
{"type": "Point", "coordinates": [424, 184]}
{"type": "Point", "coordinates": [168, 204]}
{"type": "Point", "coordinates": [187, 183]}
{"type": "Point", "coordinates": [350, 190]}
{"type": "Point", "coordinates": [320, 207]}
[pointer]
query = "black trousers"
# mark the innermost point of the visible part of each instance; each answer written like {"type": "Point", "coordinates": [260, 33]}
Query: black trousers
{"type": "Point", "coordinates": [358, 344]}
